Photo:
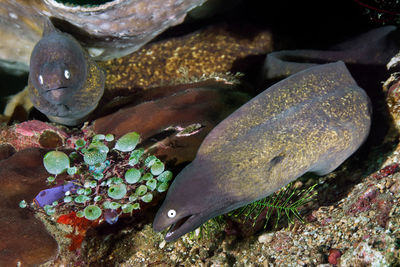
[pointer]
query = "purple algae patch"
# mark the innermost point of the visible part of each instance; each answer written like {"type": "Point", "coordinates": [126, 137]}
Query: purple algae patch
{"type": "Point", "coordinates": [48, 196]}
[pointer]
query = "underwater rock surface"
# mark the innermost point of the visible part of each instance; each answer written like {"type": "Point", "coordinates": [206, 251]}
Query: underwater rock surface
{"type": "Point", "coordinates": [208, 53]}
{"type": "Point", "coordinates": [110, 30]}
{"type": "Point", "coordinates": [24, 239]}
{"type": "Point", "coordinates": [174, 126]}
{"type": "Point", "coordinates": [353, 224]}
{"type": "Point", "coordinates": [215, 53]}
{"type": "Point", "coordinates": [165, 119]}
{"type": "Point", "coordinates": [31, 134]}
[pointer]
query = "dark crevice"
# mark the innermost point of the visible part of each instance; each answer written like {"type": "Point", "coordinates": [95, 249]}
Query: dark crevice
{"type": "Point", "coordinates": [85, 3]}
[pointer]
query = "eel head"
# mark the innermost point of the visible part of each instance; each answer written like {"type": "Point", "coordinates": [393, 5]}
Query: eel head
{"type": "Point", "coordinates": [192, 199]}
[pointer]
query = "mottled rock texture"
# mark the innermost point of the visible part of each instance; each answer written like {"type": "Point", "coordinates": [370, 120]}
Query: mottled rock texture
{"type": "Point", "coordinates": [111, 30]}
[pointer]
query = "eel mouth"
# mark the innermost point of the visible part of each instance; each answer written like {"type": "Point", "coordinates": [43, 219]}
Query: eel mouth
{"type": "Point", "coordinates": [55, 89]}
{"type": "Point", "coordinates": [56, 95]}
{"type": "Point", "coordinates": [182, 226]}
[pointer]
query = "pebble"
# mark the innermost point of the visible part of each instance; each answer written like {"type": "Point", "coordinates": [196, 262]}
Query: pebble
{"type": "Point", "coordinates": [162, 244]}
{"type": "Point", "coordinates": [266, 263]}
{"type": "Point", "coordinates": [394, 189]}
{"type": "Point", "coordinates": [266, 238]}
{"type": "Point", "coordinates": [334, 256]}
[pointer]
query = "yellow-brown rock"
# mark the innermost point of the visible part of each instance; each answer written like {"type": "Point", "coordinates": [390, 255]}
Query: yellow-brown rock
{"type": "Point", "coordinates": [211, 52]}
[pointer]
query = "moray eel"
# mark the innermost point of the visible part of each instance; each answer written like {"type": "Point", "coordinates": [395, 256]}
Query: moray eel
{"type": "Point", "coordinates": [64, 82]}
{"type": "Point", "coordinates": [373, 48]}
{"type": "Point", "coordinates": [309, 122]}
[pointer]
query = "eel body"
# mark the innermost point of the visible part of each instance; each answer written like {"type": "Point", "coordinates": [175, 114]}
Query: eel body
{"type": "Point", "coordinates": [309, 122]}
{"type": "Point", "coordinates": [373, 48]}
{"type": "Point", "coordinates": [65, 84]}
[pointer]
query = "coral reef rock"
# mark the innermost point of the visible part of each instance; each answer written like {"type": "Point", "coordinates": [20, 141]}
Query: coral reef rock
{"type": "Point", "coordinates": [109, 30]}
{"type": "Point", "coordinates": [23, 240]}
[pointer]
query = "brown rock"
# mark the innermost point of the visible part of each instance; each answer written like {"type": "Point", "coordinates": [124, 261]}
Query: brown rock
{"type": "Point", "coordinates": [6, 151]}
{"type": "Point", "coordinates": [23, 238]}
{"type": "Point", "coordinates": [162, 120]}
{"type": "Point", "coordinates": [383, 207]}
{"type": "Point", "coordinates": [29, 134]}
{"type": "Point", "coordinates": [50, 139]}
{"type": "Point", "coordinates": [282, 241]}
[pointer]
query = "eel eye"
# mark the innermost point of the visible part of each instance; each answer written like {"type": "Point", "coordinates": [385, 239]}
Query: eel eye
{"type": "Point", "coordinates": [41, 79]}
{"type": "Point", "coordinates": [171, 213]}
{"type": "Point", "coordinates": [67, 74]}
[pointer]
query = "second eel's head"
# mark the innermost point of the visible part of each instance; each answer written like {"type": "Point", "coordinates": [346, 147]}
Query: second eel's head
{"type": "Point", "coordinates": [58, 66]}
{"type": "Point", "coordinates": [65, 84]}
{"type": "Point", "coordinates": [192, 199]}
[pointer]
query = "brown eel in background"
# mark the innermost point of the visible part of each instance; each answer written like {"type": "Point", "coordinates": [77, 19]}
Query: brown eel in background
{"type": "Point", "coordinates": [310, 122]}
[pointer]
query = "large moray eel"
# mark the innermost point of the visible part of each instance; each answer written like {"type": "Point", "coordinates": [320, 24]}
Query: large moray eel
{"type": "Point", "coordinates": [309, 122]}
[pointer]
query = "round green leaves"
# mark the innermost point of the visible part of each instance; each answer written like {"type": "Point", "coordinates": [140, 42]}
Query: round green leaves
{"type": "Point", "coordinates": [157, 168]}
{"type": "Point", "coordinates": [147, 198]}
{"type": "Point", "coordinates": [127, 142]}
{"type": "Point", "coordinates": [165, 177]}
{"type": "Point", "coordinates": [141, 190]}
{"type": "Point", "coordinates": [117, 191]}
{"type": "Point", "coordinates": [151, 184]}
{"type": "Point", "coordinates": [80, 143]}
{"type": "Point", "coordinates": [94, 155]}
{"type": "Point", "coordinates": [104, 182]}
{"type": "Point", "coordinates": [132, 176]}
{"type": "Point", "coordinates": [150, 160]}
{"type": "Point", "coordinates": [162, 187]}
{"type": "Point", "coordinates": [56, 162]}
{"type": "Point", "coordinates": [109, 137]}
{"type": "Point", "coordinates": [81, 199]}
{"type": "Point", "coordinates": [23, 204]}
{"type": "Point", "coordinates": [92, 212]}
{"type": "Point", "coordinates": [135, 156]}
{"type": "Point", "coordinates": [126, 208]}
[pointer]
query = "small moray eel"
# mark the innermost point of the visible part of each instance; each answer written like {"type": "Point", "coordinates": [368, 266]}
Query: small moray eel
{"type": "Point", "coordinates": [309, 122]}
{"type": "Point", "coordinates": [65, 84]}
